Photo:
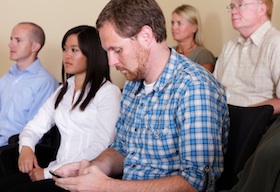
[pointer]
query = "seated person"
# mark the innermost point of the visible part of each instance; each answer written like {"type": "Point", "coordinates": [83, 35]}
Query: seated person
{"type": "Point", "coordinates": [27, 85]}
{"type": "Point", "coordinates": [261, 171]}
{"type": "Point", "coordinates": [85, 109]}
{"type": "Point", "coordinates": [187, 31]}
{"type": "Point", "coordinates": [248, 66]}
{"type": "Point", "coordinates": [173, 124]}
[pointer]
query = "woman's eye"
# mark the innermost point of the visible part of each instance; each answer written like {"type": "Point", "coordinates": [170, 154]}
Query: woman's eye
{"type": "Point", "coordinates": [75, 50]}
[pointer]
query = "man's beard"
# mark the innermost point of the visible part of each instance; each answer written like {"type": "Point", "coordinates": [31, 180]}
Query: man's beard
{"type": "Point", "coordinates": [142, 58]}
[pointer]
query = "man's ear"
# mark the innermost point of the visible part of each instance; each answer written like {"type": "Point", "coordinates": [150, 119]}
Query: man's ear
{"type": "Point", "coordinates": [262, 9]}
{"type": "Point", "coordinates": [146, 35]}
{"type": "Point", "coordinates": [36, 46]}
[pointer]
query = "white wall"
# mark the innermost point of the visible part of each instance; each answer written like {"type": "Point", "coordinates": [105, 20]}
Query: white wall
{"type": "Point", "coordinates": [57, 16]}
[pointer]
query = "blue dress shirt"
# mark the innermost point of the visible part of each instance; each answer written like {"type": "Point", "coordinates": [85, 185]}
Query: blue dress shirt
{"type": "Point", "coordinates": [180, 128]}
{"type": "Point", "coordinates": [21, 95]}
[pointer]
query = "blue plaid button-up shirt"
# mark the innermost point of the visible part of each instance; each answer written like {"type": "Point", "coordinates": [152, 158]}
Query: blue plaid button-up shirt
{"type": "Point", "coordinates": [180, 128]}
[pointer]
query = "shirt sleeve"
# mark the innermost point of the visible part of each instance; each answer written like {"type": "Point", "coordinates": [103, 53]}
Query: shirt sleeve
{"type": "Point", "coordinates": [119, 141]}
{"type": "Point", "coordinates": [275, 69]}
{"type": "Point", "coordinates": [206, 57]}
{"type": "Point", "coordinates": [37, 127]}
{"type": "Point", "coordinates": [201, 118]}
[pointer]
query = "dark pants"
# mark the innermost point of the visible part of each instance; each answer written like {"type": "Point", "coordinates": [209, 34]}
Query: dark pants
{"type": "Point", "coordinates": [21, 182]}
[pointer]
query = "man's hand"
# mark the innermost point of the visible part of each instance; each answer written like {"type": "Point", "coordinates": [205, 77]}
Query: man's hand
{"type": "Point", "coordinates": [36, 174]}
{"type": "Point", "coordinates": [70, 170]}
{"type": "Point", "coordinates": [27, 160]}
{"type": "Point", "coordinates": [90, 179]}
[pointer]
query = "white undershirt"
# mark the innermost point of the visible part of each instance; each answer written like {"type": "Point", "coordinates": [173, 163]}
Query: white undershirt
{"type": "Point", "coordinates": [148, 87]}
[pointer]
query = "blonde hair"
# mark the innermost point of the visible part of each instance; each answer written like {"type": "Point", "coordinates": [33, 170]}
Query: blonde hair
{"type": "Point", "coordinates": [191, 14]}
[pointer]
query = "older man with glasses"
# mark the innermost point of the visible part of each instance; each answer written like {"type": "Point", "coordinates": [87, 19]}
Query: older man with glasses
{"type": "Point", "coordinates": [249, 65]}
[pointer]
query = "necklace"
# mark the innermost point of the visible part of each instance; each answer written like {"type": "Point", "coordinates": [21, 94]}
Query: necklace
{"type": "Point", "coordinates": [187, 51]}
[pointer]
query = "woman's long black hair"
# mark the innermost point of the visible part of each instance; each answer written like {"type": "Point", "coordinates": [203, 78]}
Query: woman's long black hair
{"type": "Point", "coordinates": [97, 72]}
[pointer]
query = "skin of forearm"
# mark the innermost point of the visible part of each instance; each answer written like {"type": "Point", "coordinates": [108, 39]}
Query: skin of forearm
{"type": "Point", "coordinates": [167, 184]}
{"type": "Point", "coordinates": [274, 102]}
{"type": "Point", "coordinates": [209, 67]}
{"type": "Point", "coordinates": [276, 105]}
{"type": "Point", "coordinates": [109, 162]}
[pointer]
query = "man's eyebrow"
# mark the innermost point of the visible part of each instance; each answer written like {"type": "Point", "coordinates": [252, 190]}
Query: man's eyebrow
{"type": "Point", "coordinates": [16, 38]}
{"type": "Point", "coordinates": [113, 48]}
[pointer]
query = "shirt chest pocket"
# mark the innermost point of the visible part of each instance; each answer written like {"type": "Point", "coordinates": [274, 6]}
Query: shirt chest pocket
{"type": "Point", "coordinates": [159, 131]}
{"type": "Point", "coordinates": [163, 139]}
{"type": "Point", "coordinates": [147, 128]}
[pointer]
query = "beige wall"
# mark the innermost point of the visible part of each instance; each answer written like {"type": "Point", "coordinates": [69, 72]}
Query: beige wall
{"type": "Point", "coordinates": [57, 16]}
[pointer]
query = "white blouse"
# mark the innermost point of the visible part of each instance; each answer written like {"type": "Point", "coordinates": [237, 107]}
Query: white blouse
{"type": "Point", "coordinates": [84, 134]}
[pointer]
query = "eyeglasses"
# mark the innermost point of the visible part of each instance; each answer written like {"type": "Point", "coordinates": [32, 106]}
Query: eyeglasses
{"type": "Point", "coordinates": [239, 6]}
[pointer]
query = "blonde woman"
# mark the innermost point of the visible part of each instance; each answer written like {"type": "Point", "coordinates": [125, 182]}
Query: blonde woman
{"type": "Point", "coordinates": [186, 30]}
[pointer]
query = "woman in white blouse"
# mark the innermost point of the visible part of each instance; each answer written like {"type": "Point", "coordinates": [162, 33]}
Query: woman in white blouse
{"type": "Point", "coordinates": [85, 109]}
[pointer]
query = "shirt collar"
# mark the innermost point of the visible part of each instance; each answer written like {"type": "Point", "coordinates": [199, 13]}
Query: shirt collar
{"type": "Point", "coordinates": [165, 78]}
{"type": "Point", "coordinates": [33, 68]}
{"type": "Point", "coordinates": [258, 35]}
{"type": "Point", "coordinates": [71, 82]}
